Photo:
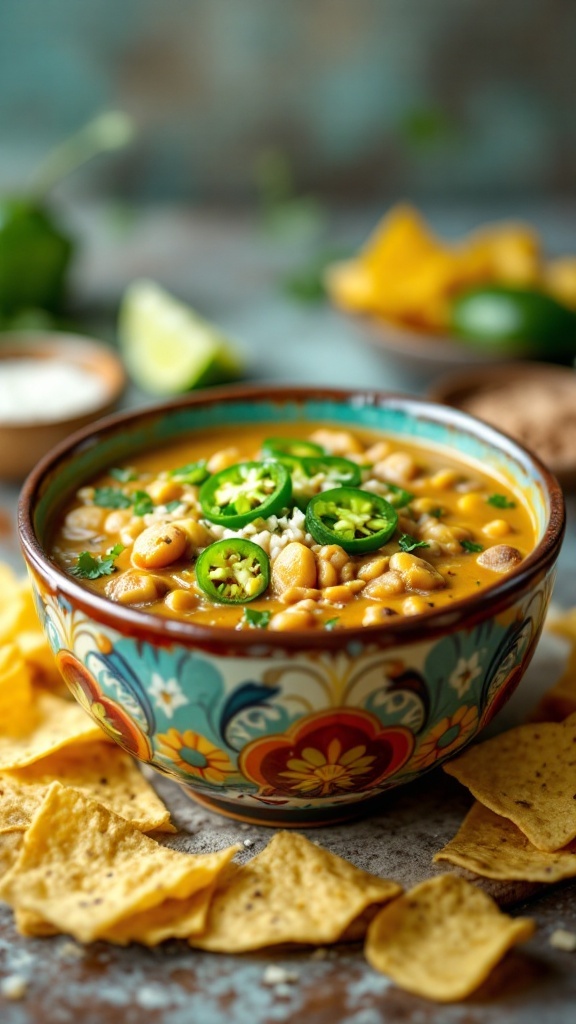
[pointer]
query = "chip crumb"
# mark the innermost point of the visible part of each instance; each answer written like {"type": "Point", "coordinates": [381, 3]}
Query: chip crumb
{"type": "Point", "coordinates": [71, 950]}
{"type": "Point", "coordinates": [563, 939]}
{"type": "Point", "coordinates": [13, 987]}
{"type": "Point", "coordinates": [276, 975]}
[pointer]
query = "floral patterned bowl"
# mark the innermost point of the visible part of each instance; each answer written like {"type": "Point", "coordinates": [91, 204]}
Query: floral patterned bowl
{"type": "Point", "coordinates": [303, 727]}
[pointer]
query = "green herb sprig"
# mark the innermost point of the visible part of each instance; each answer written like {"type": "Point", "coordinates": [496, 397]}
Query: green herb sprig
{"type": "Point", "coordinates": [471, 547]}
{"type": "Point", "coordinates": [92, 567]}
{"type": "Point", "coordinates": [255, 619]}
{"type": "Point", "coordinates": [500, 501]}
{"type": "Point", "coordinates": [408, 543]}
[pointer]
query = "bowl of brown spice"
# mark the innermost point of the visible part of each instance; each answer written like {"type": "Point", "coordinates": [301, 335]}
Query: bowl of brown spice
{"type": "Point", "coordinates": [533, 402]}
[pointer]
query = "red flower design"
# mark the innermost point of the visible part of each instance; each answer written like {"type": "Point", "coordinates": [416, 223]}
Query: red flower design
{"type": "Point", "coordinates": [327, 754]}
{"type": "Point", "coordinates": [111, 717]}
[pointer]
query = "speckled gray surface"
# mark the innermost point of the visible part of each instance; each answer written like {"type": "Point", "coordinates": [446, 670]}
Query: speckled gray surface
{"type": "Point", "coordinates": [176, 985]}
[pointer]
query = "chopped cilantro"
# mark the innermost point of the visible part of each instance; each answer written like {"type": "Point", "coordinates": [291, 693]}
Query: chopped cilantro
{"type": "Point", "coordinates": [111, 497]}
{"type": "Point", "coordinates": [191, 473]}
{"type": "Point", "coordinates": [91, 567]}
{"type": "Point", "coordinates": [143, 503]}
{"type": "Point", "coordinates": [471, 547]}
{"type": "Point", "coordinates": [331, 624]}
{"type": "Point", "coordinates": [123, 475]}
{"type": "Point", "coordinates": [437, 512]}
{"type": "Point", "coordinates": [408, 543]}
{"type": "Point", "coordinates": [171, 506]}
{"type": "Point", "coordinates": [500, 501]}
{"type": "Point", "coordinates": [257, 620]}
{"type": "Point", "coordinates": [398, 497]}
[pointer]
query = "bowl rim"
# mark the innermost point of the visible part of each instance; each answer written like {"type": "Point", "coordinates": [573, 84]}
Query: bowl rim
{"type": "Point", "coordinates": [468, 610]}
{"type": "Point", "coordinates": [71, 347]}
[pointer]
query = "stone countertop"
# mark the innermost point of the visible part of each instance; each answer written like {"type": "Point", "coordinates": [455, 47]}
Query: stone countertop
{"type": "Point", "coordinates": [232, 272]}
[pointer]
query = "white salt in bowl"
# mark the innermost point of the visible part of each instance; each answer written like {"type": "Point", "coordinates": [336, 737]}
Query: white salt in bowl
{"type": "Point", "coordinates": [51, 384]}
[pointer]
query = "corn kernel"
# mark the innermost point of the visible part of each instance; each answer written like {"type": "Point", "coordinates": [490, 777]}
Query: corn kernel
{"type": "Point", "coordinates": [471, 503]}
{"type": "Point", "coordinates": [497, 528]}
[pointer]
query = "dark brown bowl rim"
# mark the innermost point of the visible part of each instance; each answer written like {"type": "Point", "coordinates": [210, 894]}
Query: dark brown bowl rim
{"type": "Point", "coordinates": [468, 610]}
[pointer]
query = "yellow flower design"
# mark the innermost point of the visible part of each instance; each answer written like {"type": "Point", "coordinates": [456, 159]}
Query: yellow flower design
{"type": "Point", "coordinates": [192, 753]}
{"type": "Point", "coordinates": [327, 773]}
{"type": "Point", "coordinates": [449, 734]}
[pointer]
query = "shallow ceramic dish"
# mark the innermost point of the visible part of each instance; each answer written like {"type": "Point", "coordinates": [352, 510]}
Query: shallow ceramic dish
{"type": "Point", "coordinates": [23, 443]}
{"type": "Point", "coordinates": [224, 711]}
{"type": "Point", "coordinates": [534, 402]}
{"type": "Point", "coordinates": [419, 355]}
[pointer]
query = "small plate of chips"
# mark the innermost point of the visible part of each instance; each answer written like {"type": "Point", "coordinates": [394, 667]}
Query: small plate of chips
{"type": "Point", "coordinates": [433, 305]}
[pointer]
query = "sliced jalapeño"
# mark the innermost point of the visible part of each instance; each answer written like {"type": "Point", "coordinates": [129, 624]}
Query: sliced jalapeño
{"type": "Point", "coordinates": [233, 571]}
{"type": "Point", "coordinates": [276, 447]}
{"type": "Point", "coordinates": [357, 520]}
{"type": "Point", "coordinates": [246, 491]}
{"type": "Point", "coordinates": [313, 474]}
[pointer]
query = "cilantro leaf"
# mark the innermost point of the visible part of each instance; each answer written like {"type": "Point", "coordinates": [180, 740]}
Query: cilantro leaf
{"type": "Point", "coordinates": [171, 506]}
{"type": "Point", "coordinates": [143, 503]}
{"type": "Point", "coordinates": [331, 624]}
{"type": "Point", "coordinates": [398, 497]}
{"type": "Point", "coordinates": [123, 475]}
{"type": "Point", "coordinates": [471, 547]}
{"type": "Point", "coordinates": [91, 567]}
{"type": "Point", "coordinates": [500, 501]}
{"type": "Point", "coordinates": [111, 497]}
{"type": "Point", "coordinates": [408, 543]}
{"type": "Point", "coordinates": [436, 512]}
{"type": "Point", "coordinates": [257, 620]}
{"type": "Point", "coordinates": [191, 473]}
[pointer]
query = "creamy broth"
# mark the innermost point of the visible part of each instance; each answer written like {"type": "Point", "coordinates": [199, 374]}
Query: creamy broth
{"type": "Point", "coordinates": [136, 534]}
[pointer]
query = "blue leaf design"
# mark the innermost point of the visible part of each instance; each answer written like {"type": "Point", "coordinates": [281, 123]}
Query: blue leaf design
{"type": "Point", "coordinates": [247, 695]}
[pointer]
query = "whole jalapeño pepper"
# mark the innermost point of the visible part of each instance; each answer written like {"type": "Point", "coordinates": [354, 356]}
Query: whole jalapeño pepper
{"type": "Point", "coordinates": [34, 257]}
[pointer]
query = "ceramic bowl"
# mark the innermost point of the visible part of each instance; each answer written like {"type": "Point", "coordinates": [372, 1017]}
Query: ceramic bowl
{"type": "Point", "coordinates": [228, 713]}
{"type": "Point", "coordinates": [24, 442]}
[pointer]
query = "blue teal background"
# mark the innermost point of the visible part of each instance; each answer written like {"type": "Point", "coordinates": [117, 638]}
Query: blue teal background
{"type": "Point", "coordinates": [365, 99]}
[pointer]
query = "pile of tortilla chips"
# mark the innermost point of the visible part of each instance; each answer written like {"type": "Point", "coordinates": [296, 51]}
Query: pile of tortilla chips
{"type": "Point", "coordinates": [523, 824]}
{"type": "Point", "coordinates": [404, 273]}
{"type": "Point", "coordinates": [75, 857]}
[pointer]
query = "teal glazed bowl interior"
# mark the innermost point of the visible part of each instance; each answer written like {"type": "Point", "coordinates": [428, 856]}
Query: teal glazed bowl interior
{"type": "Point", "coordinates": [360, 710]}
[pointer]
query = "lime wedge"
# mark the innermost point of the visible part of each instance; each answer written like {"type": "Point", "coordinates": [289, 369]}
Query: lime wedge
{"type": "Point", "coordinates": [167, 347]}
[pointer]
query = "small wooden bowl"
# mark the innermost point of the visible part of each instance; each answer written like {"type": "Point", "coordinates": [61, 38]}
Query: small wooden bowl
{"type": "Point", "coordinates": [537, 425]}
{"type": "Point", "coordinates": [22, 444]}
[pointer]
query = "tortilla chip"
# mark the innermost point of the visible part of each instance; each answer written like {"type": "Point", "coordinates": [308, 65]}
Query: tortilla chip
{"type": "Point", "coordinates": [564, 625]}
{"type": "Point", "coordinates": [15, 690]}
{"type": "Point", "coordinates": [293, 891]}
{"type": "Point", "coordinates": [493, 847]}
{"type": "Point", "coordinates": [560, 701]}
{"type": "Point", "coordinates": [32, 925]}
{"type": "Point", "coordinates": [173, 919]}
{"type": "Point", "coordinates": [442, 939]}
{"type": "Point", "coordinates": [52, 723]}
{"type": "Point", "coordinates": [10, 845]}
{"type": "Point", "coordinates": [19, 625]}
{"type": "Point", "coordinates": [99, 770]}
{"type": "Point", "coordinates": [527, 774]}
{"type": "Point", "coordinates": [83, 869]}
